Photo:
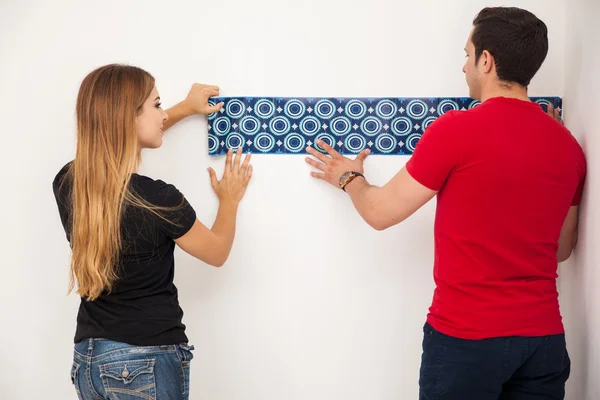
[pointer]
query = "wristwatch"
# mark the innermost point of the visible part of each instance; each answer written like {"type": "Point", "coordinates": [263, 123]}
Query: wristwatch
{"type": "Point", "coordinates": [348, 177]}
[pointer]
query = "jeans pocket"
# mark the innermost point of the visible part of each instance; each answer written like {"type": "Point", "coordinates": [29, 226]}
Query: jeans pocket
{"type": "Point", "coordinates": [185, 355]}
{"type": "Point", "coordinates": [129, 379]}
{"type": "Point", "coordinates": [75, 378]}
{"type": "Point", "coordinates": [434, 347]}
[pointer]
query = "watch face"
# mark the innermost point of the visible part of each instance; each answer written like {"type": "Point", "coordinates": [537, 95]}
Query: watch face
{"type": "Point", "coordinates": [344, 177]}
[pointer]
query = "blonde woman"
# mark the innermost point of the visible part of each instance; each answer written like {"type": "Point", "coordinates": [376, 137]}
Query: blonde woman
{"type": "Point", "coordinates": [130, 341]}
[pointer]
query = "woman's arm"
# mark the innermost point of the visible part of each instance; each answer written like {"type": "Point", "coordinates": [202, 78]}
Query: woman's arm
{"type": "Point", "coordinates": [196, 102]}
{"type": "Point", "coordinates": [214, 245]}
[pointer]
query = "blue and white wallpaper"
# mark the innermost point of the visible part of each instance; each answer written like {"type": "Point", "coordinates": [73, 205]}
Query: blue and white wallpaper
{"type": "Point", "coordinates": [276, 125]}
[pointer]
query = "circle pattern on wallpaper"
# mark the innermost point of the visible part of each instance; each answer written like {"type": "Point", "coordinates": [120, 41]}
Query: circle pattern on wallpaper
{"type": "Point", "coordinates": [213, 144]}
{"type": "Point", "coordinates": [371, 126]}
{"type": "Point", "coordinates": [340, 126]}
{"type": "Point", "coordinates": [355, 143]}
{"type": "Point", "coordinates": [279, 125]}
{"type": "Point", "coordinates": [327, 139]}
{"type": "Point", "coordinates": [416, 109]}
{"type": "Point", "coordinates": [386, 109]}
{"type": "Point", "coordinates": [427, 121]}
{"type": "Point", "coordinates": [352, 124]}
{"type": "Point", "coordinates": [412, 141]}
{"type": "Point", "coordinates": [310, 125]}
{"type": "Point", "coordinates": [386, 143]}
{"type": "Point", "coordinates": [264, 142]}
{"type": "Point", "coordinates": [474, 104]}
{"type": "Point", "coordinates": [447, 105]}
{"type": "Point", "coordinates": [234, 140]}
{"type": "Point", "coordinates": [543, 102]}
{"type": "Point", "coordinates": [235, 108]}
{"type": "Point", "coordinates": [356, 109]}
{"type": "Point", "coordinates": [325, 109]}
{"type": "Point", "coordinates": [249, 125]}
{"type": "Point", "coordinates": [264, 108]}
{"type": "Point", "coordinates": [294, 108]}
{"type": "Point", "coordinates": [221, 126]}
{"type": "Point", "coordinates": [402, 126]}
{"type": "Point", "coordinates": [294, 143]}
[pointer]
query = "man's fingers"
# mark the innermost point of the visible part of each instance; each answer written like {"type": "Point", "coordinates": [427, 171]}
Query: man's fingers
{"type": "Point", "coordinates": [317, 175]}
{"type": "Point", "coordinates": [363, 154]}
{"type": "Point", "coordinates": [318, 155]}
{"type": "Point", "coordinates": [330, 150]}
{"type": "Point", "coordinates": [315, 164]}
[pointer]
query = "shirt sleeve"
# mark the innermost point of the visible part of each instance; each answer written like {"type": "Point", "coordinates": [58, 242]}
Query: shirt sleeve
{"type": "Point", "coordinates": [177, 216]}
{"type": "Point", "coordinates": [61, 186]}
{"type": "Point", "coordinates": [436, 154]}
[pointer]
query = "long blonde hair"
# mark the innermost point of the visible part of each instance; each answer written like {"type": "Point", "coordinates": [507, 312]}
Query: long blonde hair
{"type": "Point", "coordinates": [108, 102]}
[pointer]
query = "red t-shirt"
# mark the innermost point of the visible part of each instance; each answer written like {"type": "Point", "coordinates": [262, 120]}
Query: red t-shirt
{"type": "Point", "coordinates": [507, 174]}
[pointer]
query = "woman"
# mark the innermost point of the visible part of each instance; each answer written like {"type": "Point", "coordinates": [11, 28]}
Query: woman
{"type": "Point", "coordinates": [130, 342]}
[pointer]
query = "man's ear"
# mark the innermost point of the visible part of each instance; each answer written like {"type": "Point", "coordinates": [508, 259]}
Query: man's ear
{"type": "Point", "coordinates": [486, 62]}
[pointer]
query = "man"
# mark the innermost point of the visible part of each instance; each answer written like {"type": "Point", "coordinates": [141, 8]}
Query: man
{"type": "Point", "coordinates": [508, 179]}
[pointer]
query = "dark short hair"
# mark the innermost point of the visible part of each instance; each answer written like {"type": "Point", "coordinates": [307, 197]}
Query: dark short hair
{"type": "Point", "coordinates": [516, 38]}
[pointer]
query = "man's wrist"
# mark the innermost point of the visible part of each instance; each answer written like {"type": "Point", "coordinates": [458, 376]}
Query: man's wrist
{"type": "Point", "coordinates": [356, 182]}
{"type": "Point", "coordinates": [348, 177]}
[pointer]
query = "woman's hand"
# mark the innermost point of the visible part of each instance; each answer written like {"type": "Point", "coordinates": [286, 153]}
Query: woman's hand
{"type": "Point", "coordinates": [232, 187]}
{"type": "Point", "coordinates": [196, 102]}
{"type": "Point", "coordinates": [197, 99]}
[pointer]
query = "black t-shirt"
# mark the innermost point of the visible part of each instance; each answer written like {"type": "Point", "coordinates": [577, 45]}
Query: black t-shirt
{"type": "Point", "coordinates": [143, 308]}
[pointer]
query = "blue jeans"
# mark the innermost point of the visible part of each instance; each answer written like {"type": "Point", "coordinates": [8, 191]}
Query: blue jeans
{"type": "Point", "coordinates": [103, 369]}
{"type": "Point", "coordinates": [506, 368]}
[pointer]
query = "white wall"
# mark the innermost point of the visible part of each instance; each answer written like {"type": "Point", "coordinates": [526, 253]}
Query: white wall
{"type": "Point", "coordinates": [580, 276]}
{"type": "Point", "coordinates": [312, 304]}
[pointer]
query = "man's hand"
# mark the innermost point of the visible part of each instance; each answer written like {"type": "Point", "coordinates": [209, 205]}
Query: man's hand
{"type": "Point", "coordinates": [554, 113]}
{"type": "Point", "coordinates": [333, 165]}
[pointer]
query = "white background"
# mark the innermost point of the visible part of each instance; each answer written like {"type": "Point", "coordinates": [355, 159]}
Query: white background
{"type": "Point", "coordinates": [312, 303]}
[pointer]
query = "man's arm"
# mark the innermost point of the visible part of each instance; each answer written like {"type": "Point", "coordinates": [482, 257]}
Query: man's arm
{"type": "Point", "coordinates": [568, 235]}
{"type": "Point", "coordinates": [384, 207]}
{"type": "Point", "coordinates": [568, 232]}
{"type": "Point", "coordinates": [380, 207]}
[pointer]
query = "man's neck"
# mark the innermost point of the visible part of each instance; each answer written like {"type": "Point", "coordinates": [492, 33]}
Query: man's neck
{"type": "Point", "coordinates": [508, 90]}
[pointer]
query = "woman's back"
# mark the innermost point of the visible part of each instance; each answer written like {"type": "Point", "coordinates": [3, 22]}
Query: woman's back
{"type": "Point", "coordinates": [142, 308]}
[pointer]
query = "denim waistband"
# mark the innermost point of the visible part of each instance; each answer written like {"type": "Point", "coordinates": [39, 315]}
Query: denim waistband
{"type": "Point", "coordinates": [100, 349]}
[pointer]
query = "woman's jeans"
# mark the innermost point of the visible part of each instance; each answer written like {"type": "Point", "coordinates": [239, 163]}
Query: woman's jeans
{"type": "Point", "coordinates": [103, 369]}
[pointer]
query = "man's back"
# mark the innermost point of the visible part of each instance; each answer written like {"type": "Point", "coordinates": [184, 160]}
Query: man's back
{"type": "Point", "coordinates": [507, 174]}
